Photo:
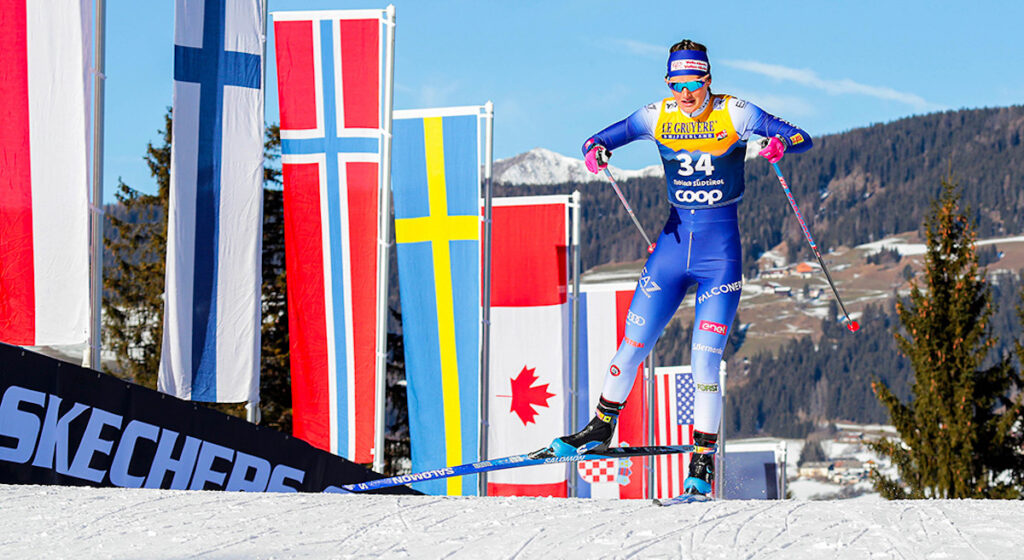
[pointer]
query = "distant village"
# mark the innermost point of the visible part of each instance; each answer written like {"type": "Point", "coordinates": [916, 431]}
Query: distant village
{"type": "Point", "coordinates": [848, 460]}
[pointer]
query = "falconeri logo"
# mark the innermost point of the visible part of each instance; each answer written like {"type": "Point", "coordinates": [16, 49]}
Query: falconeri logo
{"type": "Point", "coordinates": [719, 290]}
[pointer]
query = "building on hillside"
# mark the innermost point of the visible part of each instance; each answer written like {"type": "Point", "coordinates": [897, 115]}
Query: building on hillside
{"type": "Point", "coordinates": [815, 469]}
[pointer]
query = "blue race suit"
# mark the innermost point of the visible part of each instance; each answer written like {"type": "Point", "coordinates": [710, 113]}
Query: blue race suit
{"type": "Point", "coordinates": [703, 155]}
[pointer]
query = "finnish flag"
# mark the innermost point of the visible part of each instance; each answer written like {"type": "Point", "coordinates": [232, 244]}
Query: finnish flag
{"type": "Point", "coordinates": [211, 336]}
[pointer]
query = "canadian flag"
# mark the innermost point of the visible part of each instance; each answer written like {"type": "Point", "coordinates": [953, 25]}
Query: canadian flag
{"type": "Point", "coordinates": [44, 237]}
{"type": "Point", "coordinates": [527, 383]}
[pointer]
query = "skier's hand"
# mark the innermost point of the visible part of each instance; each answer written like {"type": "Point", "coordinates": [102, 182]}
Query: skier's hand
{"type": "Point", "coordinates": [774, 150]}
{"type": "Point", "coordinates": [597, 158]}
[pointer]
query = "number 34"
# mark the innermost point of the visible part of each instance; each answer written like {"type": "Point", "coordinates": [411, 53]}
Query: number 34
{"type": "Point", "coordinates": [686, 167]}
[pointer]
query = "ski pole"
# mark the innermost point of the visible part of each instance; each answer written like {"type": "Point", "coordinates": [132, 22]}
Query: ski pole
{"type": "Point", "coordinates": [850, 323]}
{"type": "Point", "coordinates": [650, 245]}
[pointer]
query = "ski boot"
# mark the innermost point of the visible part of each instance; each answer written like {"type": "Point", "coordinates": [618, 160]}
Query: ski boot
{"type": "Point", "coordinates": [702, 465]}
{"type": "Point", "coordinates": [594, 437]}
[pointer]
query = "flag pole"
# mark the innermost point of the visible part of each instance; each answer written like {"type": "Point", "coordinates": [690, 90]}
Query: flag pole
{"type": "Point", "coordinates": [574, 366]}
{"type": "Point", "coordinates": [384, 213]}
{"type": "Point", "coordinates": [252, 408]}
{"type": "Point", "coordinates": [485, 303]}
{"type": "Point", "coordinates": [96, 208]}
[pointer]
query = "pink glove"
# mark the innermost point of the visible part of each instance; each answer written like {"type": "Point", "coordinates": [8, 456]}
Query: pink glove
{"type": "Point", "coordinates": [597, 158]}
{"type": "Point", "coordinates": [774, 151]}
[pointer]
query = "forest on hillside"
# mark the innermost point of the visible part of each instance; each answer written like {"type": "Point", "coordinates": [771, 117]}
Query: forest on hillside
{"type": "Point", "coordinates": [790, 392]}
{"type": "Point", "coordinates": [853, 187]}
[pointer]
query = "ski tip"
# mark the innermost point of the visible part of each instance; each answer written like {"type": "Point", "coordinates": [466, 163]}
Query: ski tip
{"type": "Point", "coordinates": [853, 326]}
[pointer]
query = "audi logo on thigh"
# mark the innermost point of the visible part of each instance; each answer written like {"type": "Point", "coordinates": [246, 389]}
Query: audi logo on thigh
{"type": "Point", "coordinates": [704, 197]}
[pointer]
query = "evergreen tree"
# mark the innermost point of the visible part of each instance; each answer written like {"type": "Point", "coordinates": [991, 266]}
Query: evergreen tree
{"type": "Point", "coordinates": [956, 431]}
{"type": "Point", "coordinates": [275, 372]}
{"type": "Point", "coordinates": [135, 257]}
{"type": "Point", "coordinates": [133, 279]}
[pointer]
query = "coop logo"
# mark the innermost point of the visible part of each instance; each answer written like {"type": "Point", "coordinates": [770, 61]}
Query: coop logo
{"type": "Point", "coordinates": [719, 290]}
{"type": "Point", "coordinates": [714, 327]}
{"type": "Point", "coordinates": [647, 284]}
{"type": "Point", "coordinates": [635, 319]}
{"type": "Point", "coordinates": [702, 197]}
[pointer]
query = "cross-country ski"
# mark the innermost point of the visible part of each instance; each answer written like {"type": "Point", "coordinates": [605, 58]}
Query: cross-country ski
{"type": "Point", "coordinates": [517, 461]}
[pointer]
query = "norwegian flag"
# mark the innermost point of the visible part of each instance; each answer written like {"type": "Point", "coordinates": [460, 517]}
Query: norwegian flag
{"type": "Point", "coordinates": [331, 89]}
{"type": "Point", "coordinates": [674, 391]}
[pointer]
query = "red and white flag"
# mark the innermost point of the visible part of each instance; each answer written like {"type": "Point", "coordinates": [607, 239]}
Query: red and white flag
{"type": "Point", "coordinates": [528, 376]}
{"type": "Point", "coordinates": [603, 315]}
{"type": "Point", "coordinates": [674, 391]}
{"type": "Point", "coordinates": [44, 237]}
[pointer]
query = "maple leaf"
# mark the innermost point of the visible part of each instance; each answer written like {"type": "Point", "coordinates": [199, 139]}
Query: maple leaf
{"type": "Point", "coordinates": [525, 395]}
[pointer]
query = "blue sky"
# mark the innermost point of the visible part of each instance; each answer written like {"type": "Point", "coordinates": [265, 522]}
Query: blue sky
{"type": "Point", "coordinates": [559, 71]}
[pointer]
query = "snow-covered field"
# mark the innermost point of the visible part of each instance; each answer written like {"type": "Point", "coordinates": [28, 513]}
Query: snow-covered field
{"type": "Point", "coordinates": [62, 522]}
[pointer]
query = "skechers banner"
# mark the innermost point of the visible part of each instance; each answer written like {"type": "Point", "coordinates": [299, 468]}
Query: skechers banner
{"type": "Point", "coordinates": [63, 424]}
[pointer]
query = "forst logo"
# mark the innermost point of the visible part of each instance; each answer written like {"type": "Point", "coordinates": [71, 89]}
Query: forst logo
{"type": "Point", "coordinates": [714, 327]}
{"type": "Point", "coordinates": [703, 197]}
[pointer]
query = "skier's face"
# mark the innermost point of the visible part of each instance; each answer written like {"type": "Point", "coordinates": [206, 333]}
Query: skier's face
{"type": "Point", "coordinates": [688, 100]}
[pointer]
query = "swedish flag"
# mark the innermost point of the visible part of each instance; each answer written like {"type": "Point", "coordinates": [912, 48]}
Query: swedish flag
{"type": "Point", "coordinates": [436, 191]}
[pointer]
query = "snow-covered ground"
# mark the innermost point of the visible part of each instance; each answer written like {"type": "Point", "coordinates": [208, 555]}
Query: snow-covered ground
{"type": "Point", "coordinates": [64, 522]}
{"type": "Point", "coordinates": [904, 248]}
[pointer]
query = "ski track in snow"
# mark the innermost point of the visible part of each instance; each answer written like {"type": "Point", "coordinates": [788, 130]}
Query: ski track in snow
{"type": "Point", "coordinates": [68, 522]}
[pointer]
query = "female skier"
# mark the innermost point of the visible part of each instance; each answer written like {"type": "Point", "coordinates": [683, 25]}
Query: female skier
{"type": "Point", "coordinates": [702, 138]}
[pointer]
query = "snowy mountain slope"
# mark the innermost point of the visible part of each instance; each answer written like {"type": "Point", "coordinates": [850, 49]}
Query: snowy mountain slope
{"type": "Point", "coordinates": [541, 166]}
{"type": "Point", "coordinates": [65, 522]}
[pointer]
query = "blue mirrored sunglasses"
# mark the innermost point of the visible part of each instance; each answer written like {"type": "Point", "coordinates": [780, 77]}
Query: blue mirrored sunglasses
{"type": "Point", "coordinates": [692, 85]}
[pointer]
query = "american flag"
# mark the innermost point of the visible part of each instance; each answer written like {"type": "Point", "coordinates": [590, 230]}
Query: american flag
{"type": "Point", "coordinates": [674, 393]}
